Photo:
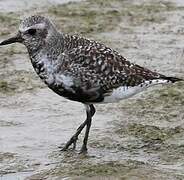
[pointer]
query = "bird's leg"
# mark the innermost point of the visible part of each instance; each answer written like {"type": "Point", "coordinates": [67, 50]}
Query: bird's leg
{"type": "Point", "coordinates": [74, 138]}
{"type": "Point", "coordinates": [90, 111]}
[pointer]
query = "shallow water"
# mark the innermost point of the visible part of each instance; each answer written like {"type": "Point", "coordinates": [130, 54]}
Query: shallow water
{"type": "Point", "coordinates": [138, 139]}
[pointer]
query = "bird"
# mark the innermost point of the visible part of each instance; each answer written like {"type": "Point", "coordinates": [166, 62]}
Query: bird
{"type": "Point", "coordinates": [82, 70]}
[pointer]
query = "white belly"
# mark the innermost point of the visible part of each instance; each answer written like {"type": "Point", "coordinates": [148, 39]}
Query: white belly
{"type": "Point", "coordinates": [124, 92]}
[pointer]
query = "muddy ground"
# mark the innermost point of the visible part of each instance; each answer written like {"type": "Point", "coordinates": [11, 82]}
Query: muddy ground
{"type": "Point", "coordinates": [139, 138]}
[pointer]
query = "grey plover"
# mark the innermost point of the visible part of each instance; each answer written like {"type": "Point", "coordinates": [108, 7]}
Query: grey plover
{"type": "Point", "coordinates": [82, 70]}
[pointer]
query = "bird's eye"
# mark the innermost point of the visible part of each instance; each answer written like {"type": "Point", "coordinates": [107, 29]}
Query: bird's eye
{"type": "Point", "coordinates": [31, 32]}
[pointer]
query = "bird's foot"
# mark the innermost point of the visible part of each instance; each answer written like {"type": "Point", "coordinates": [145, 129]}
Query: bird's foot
{"type": "Point", "coordinates": [73, 140]}
{"type": "Point", "coordinates": [83, 149]}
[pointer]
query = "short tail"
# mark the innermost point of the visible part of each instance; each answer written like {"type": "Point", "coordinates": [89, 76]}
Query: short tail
{"type": "Point", "coordinates": [172, 79]}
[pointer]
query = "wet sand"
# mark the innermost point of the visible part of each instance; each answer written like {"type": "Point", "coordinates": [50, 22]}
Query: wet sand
{"type": "Point", "coordinates": [138, 138]}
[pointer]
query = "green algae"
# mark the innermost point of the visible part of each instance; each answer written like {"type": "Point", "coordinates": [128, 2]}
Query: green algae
{"type": "Point", "coordinates": [150, 133]}
{"type": "Point", "coordinates": [130, 169]}
{"type": "Point", "coordinates": [107, 169]}
{"type": "Point", "coordinates": [5, 87]}
{"type": "Point", "coordinates": [85, 17]}
{"type": "Point", "coordinates": [8, 23]}
{"type": "Point", "coordinates": [102, 16]}
{"type": "Point", "coordinates": [20, 81]}
{"type": "Point", "coordinates": [4, 123]}
{"type": "Point", "coordinates": [159, 104]}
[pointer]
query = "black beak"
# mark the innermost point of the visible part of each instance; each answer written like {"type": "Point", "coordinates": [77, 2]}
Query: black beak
{"type": "Point", "coordinates": [11, 40]}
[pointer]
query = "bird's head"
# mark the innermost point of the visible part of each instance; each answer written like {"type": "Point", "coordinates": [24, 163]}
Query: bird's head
{"type": "Point", "coordinates": [33, 32]}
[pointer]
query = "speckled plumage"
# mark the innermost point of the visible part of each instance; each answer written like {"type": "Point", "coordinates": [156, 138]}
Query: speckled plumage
{"type": "Point", "coordinates": [80, 69]}
{"type": "Point", "coordinates": [95, 69]}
